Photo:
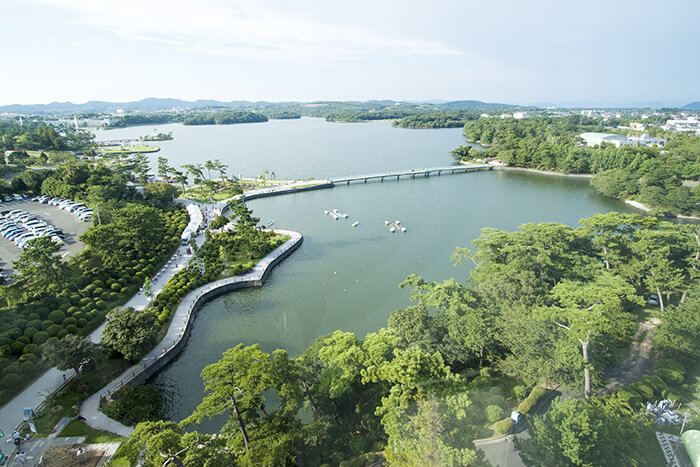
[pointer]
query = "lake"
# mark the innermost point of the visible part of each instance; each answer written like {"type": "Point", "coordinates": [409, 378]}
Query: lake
{"type": "Point", "coordinates": [343, 277]}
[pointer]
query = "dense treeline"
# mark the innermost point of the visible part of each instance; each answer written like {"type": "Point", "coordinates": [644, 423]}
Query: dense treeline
{"type": "Point", "coordinates": [545, 304]}
{"type": "Point", "coordinates": [146, 119]}
{"type": "Point", "coordinates": [447, 119]}
{"type": "Point", "coordinates": [51, 298]}
{"type": "Point", "coordinates": [32, 135]}
{"type": "Point", "coordinates": [651, 175]}
{"type": "Point", "coordinates": [223, 117]}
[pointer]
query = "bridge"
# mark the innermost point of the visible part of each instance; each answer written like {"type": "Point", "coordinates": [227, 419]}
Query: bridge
{"type": "Point", "coordinates": [413, 173]}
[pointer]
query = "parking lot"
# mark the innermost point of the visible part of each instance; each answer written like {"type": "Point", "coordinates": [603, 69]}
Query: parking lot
{"type": "Point", "coordinates": [65, 221]}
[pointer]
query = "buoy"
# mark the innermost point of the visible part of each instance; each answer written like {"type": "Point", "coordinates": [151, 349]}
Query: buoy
{"type": "Point", "coordinates": [345, 290]}
{"type": "Point", "coordinates": [325, 283]}
{"type": "Point", "coordinates": [335, 272]}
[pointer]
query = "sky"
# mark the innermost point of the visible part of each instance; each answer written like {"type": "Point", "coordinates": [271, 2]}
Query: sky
{"type": "Point", "coordinates": [509, 51]}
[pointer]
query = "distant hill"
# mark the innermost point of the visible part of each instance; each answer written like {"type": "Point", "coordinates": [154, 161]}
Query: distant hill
{"type": "Point", "coordinates": [154, 103]}
{"type": "Point", "coordinates": [692, 106]}
{"type": "Point", "coordinates": [148, 104]}
{"type": "Point", "coordinates": [469, 105]}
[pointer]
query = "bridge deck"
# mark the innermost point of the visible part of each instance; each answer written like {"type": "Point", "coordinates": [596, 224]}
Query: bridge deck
{"type": "Point", "coordinates": [413, 172]}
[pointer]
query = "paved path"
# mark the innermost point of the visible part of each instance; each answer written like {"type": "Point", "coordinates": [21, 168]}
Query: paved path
{"type": "Point", "coordinates": [177, 334]}
{"type": "Point", "coordinates": [52, 380]}
{"type": "Point", "coordinates": [637, 365]}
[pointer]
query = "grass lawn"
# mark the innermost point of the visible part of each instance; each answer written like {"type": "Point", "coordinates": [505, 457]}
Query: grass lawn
{"type": "Point", "coordinates": [61, 405]}
{"type": "Point", "coordinates": [128, 149]}
{"type": "Point", "coordinates": [92, 436]}
{"type": "Point", "coordinates": [119, 462]}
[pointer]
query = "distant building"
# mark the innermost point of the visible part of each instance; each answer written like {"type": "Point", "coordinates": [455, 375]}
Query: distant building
{"type": "Point", "coordinates": [596, 139]}
{"type": "Point", "coordinates": [683, 124]}
{"type": "Point", "coordinates": [506, 115]}
{"type": "Point", "coordinates": [484, 115]}
{"type": "Point", "coordinates": [637, 126]}
{"type": "Point", "coordinates": [519, 115]}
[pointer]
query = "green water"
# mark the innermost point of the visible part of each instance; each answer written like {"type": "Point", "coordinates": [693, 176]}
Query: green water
{"type": "Point", "coordinates": [346, 278]}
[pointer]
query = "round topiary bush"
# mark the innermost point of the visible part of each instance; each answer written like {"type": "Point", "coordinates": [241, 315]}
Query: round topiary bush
{"type": "Point", "coordinates": [40, 337]}
{"type": "Point", "coordinates": [8, 370]}
{"type": "Point", "coordinates": [72, 328]}
{"type": "Point", "coordinates": [62, 333]}
{"type": "Point", "coordinates": [493, 413]}
{"type": "Point", "coordinates": [57, 316]}
{"type": "Point", "coordinates": [70, 320]}
{"type": "Point", "coordinates": [53, 330]}
{"type": "Point", "coordinates": [63, 307]}
{"type": "Point", "coordinates": [18, 347]}
{"type": "Point", "coordinates": [115, 286]}
{"type": "Point", "coordinates": [72, 310]}
{"type": "Point", "coordinates": [29, 332]}
{"type": "Point", "coordinates": [101, 304]}
{"type": "Point", "coordinates": [27, 367]}
{"type": "Point", "coordinates": [82, 322]}
{"type": "Point", "coordinates": [504, 426]}
{"type": "Point", "coordinates": [496, 399]}
{"type": "Point", "coordinates": [9, 381]}
{"type": "Point", "coordinates": [30, 349]}
{"type": "Point", "coordinates": [28, 357]}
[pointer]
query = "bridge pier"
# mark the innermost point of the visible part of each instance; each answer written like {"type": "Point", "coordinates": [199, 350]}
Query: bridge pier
{"type": "Point", "coordinates": [348, 183]}
{"type": "Point", "coordinates": [365, 180]}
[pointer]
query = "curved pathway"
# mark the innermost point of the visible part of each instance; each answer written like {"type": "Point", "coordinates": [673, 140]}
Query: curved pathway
{"type": "Point", "coordinates": [178, 331]}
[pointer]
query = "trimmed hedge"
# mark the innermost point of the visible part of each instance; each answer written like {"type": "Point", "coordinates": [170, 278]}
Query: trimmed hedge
{"type": "Point", "coordinates": [493, 413]}
{"type": "Point", "coordinates": [504, 426]}
{"type": "Point", "coordinates": [535, 395]}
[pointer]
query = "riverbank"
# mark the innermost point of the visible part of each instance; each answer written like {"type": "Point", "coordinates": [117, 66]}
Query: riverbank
{"type": "Point", "coordinates": [543, 172]}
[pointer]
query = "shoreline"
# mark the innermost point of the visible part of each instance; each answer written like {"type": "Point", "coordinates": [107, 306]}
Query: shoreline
{"type": "Point", "coordinates": [542, 172]}
{"type": "Point", "coordinates": [646, 208]}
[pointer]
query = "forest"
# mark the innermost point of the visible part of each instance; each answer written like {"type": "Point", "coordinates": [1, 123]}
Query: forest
{"type": "Point", "coordinates": [661, 178]}
{"type": "Point", "coordinates": [544, 306]}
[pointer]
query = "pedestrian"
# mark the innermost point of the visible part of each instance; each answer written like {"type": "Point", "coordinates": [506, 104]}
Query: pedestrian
{"type": "Point", "coordinates": [64, 377]}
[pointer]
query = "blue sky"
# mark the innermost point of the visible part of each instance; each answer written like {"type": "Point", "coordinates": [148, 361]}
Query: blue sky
{"type": "Point", "coordinates": [524, 52]}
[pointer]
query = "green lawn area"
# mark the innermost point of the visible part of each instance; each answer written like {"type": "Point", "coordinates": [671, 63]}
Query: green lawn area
{"type": "Point", "coordinates": [128, 149]}
{"type": "Point", "coordinates": [119, 462]}
{"type": "Point", "coordinates": [92, 436]}
{"type": "Point", "coordinates": [63, 404]}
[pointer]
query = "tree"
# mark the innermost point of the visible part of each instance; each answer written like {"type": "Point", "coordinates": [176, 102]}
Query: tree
{"type": "Point", "coordinates": [461, 153]}
{"type": "Point", "coordinates": [678, 334]}
{"type": "Point", "coordinates": [72, 352]}
{"type": "Point", "coordinates": [41, 269]}
{"type": "Point", "coordinates": [235, 384]}
{"type": "Point", "coordinates": [219, 222]}
{"type": "Point", "coordinates": [594, 432]}
{"type": "Point", "coordinates": [163, 168]}
{"type": "Point", "coordinates": [209, 165]}
{"type": "Point", "coordinates": [130, 332]}
{"type": "Point", "coordinates": [181, 178]}
{"type": "Point", "coordinates": [221, 167]}
{"type": "Point", "coordinates": [593, 308]}
{"type": "Point", "coordinates": [162, 192]}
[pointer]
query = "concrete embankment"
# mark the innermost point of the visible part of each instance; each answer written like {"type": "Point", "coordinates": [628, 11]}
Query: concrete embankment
{"type": "Point", "coordinates": [178, 332]}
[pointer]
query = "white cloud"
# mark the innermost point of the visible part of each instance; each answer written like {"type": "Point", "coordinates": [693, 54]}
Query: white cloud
{"type": "Point", "coordinates": [233, 29]}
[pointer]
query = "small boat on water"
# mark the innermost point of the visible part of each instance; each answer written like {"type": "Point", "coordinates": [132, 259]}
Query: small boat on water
{"type": "Point", "coordinates": [356, 223]}
{"type": "Point", "coordinates": [335, 211]}
{"type": "Point", "coordinates": [326, 212]}
{"type": "Point", "coordinates": [392, 229]}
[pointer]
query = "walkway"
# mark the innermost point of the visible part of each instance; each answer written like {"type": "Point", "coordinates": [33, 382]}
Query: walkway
{"type": "Point", "coordinates": [637, 365]}
{"type": "Point", "coordinates": [177, 334]}
{"type": "Point", "coordinates": [52, 380]}
{"type": "Point", "coordinates": [412, 173]}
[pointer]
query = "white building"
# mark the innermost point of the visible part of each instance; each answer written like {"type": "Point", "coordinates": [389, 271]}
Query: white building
{"type": "Point", "coordinates": [683, 124]}
{"type": "Point", "coordinates": [637, 126]}
{"type": "Point", "coordinates": [519, 115]}
{"type": "Point", "coordinates": [596, 139]}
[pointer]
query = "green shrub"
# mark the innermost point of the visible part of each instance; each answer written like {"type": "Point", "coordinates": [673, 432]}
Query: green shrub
{"type": "Point", "coordinates": [670, 376]}
{"type": "Point", "coordinates": [116, 286]}
{"type": "Point", "coordinates": [9, 381]}
{"type": "Point", "coordinates": [669, 363]}
{"type": "Point", "coordinates": [526, 405]}
{"type": "Point", "coordinates": [70, 320]}
{"type": "Point", "coordinates": [645, 391]}
{"type": "Point", "coordinates": [18, 347]}
{"type": "Point", "coordinates": [632, 399]}
{"type": "Point", "coordinates": [30, 348]}
{"type": "Point", "coordinates": [57, 316]}
{"type": "Point", "coordinates": [28, 357]}
{"type": "Point", "coordinates": [27, 367]}
{"type": "Point", "coordinates": [493, 413]}
{"type": "Point", "coordinates": [656, 383]}
{"type": "Point", "coordinates": [8, 370]}
{"type": "Point", "coordinates": [496, 399]}
{"type": "Point", "coordinates": [40, 337]}
{"type": "Point", "coordinates": [504, 426]}
{"type": "Point", "coordinates": [72, 310]}
{"type": "Point", "coordinates": [538, 392]}
{"type": "Point", "coordinates": [486, 371]}
{"type": "Point", "coordinates": [134, 404]}
{"type": "Point", "coordinates": [53, 330]}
